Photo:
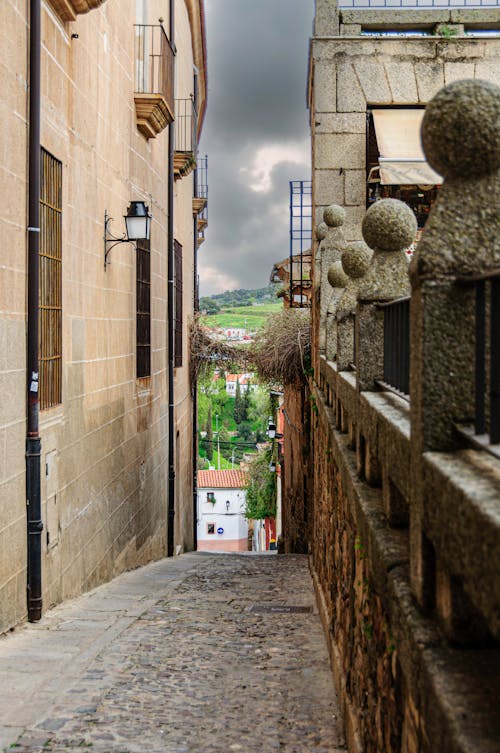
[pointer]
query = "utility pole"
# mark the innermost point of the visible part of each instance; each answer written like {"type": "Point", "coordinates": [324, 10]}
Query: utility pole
{"type": "Point", "coordinates": [218, 443]}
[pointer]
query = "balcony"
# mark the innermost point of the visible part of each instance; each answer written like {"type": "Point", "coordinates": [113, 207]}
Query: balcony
{"type": "Point", "coordinates": [200, 199]}
{"type": "Point", "coordinates": [69, 9]}
{"type": "Point", "coordinates": [185, 144]}
{"type": "Point", "coordinates": [154, 79]}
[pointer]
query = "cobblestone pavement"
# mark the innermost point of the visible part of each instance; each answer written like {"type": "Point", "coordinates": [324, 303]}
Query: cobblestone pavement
{"type": "Point", "coordinates": [177, 657]}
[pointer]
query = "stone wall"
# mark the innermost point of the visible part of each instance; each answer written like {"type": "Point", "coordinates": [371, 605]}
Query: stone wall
{"type": "Point", "coordinates": [296, 469]}
{"type": "Point", "coordinates": [404, 514]}
{"type": "Point", "coordinates": [350, 73]}
{"type": "Point", "coordinates": [104, 448]}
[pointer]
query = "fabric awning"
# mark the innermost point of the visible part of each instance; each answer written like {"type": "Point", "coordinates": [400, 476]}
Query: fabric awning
{"type": "Point", "coordinates": [401, 160]}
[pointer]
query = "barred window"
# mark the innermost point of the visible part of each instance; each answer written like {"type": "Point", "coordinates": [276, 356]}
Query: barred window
{"type": "Point", "coordinates": [143, 306]}
{"type": "Point", "coordinates": [50, 285]}
{"type": "Point", "coordinates": [178, 304]}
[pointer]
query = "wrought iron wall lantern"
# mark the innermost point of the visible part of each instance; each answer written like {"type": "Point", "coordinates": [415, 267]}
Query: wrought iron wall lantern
{"type": "Point", "coordinates": [271, 431]}
{"type": "Point", "coordinates": [137, 225]}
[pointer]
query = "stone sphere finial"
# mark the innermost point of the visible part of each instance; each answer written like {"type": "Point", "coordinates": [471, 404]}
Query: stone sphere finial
{"type": "Point", "coordinates": [356, 260]}
{"type": "Point", "coordinates": [336, 276]}
{"type": "Point", "coordinates": [334, 215]}
{"type": "Point", "coordinates": [321, 231]}
{"type": "Point", "coordinates": [389, 225]}
{"type": "Point", "coordinates": [461, 129]}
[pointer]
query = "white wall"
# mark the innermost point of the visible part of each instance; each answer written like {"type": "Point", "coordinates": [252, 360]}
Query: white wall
{"type": "Point", "coordinates": [232, 520]}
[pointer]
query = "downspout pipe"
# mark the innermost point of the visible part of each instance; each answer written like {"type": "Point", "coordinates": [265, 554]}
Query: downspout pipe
{"type": "Point", "coordinates": [33, 443]}
{"type": "Point", "coordinates": [194, 386]}
{"type": "Point", "coordinates": [170, 315]}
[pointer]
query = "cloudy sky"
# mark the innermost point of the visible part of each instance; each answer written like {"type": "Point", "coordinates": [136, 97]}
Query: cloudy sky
{"type": "Point", "coordinates": [255, 134]}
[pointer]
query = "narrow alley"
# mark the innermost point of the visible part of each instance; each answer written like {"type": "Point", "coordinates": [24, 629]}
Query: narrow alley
{"type": "Point", "coordinates": [205, 653]}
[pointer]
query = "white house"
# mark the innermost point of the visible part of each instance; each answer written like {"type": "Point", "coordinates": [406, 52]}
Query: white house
{"type": "Point", "coordinates": [245, 380]}
{"type": "Point", "coordinates": [221, 522]}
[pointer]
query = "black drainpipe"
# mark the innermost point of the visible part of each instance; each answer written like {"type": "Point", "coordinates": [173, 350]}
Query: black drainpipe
{"type": "Point", "coordinates": [194, 387]}
{"type": "Point", "coordinates": [33, 444]}
{"type": "Point", "coordinates": [195, 308]}
{"type": "Point", "coordinates": [170, 316]}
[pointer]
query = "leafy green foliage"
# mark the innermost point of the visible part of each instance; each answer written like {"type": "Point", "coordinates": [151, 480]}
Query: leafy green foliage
{"type": "Point", "coordinates": [209, 305]}
{"type": "Point", "coordinates": [209, 436]}
{"type": "Point", "coordinates": [238, 404]}
{"type": "Point", "coordinates": [261, 488]}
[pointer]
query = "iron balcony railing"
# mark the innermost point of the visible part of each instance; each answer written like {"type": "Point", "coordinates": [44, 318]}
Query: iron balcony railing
{"type": "Point", "coordinates": [201, 185]}
{"type": "Point", "coordinates": [487, 362]}
{"type": "Point", "coordinates": [300, 242]}
{"type": "Point", "coordinates": [424, 4]}
{"type": "Point", "coordinates": [154, 62]}
{"type": "Point", "coordinates": [186, 120]}
{"type": "Point", "coordinates": [201, 192]}
{"type": "Point", "coordinates": [397, 346]}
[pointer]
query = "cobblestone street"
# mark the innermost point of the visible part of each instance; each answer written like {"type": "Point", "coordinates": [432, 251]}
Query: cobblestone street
{"type": "Point", "coordinates": [180, 656]}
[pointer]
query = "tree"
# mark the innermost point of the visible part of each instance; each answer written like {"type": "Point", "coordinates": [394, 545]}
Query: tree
{"type": "Point", "coordinates": [246, 402]}
{"type": "Point", "coordinates": [259, 411]}
{"type": "Point", "coordinates": [210, 435]}
{"type": "Point", "coordinates": [209, 306]}
{"type": "Point", "coordinates": [238, 404]}
{"type": "Point", "coordinates": [261, 488]}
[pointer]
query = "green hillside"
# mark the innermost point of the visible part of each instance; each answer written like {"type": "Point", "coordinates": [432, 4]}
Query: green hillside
{"type": "Point", "coordinates": [247, 317]}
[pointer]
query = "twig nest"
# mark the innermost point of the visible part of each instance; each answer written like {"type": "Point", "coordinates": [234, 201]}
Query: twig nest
{"type": "Point", "coordinates": [356, 260]}
{"type": "Point", "coordinates": [334, 215]}
{"type": "Point", "coordinates": [461, 129]}
{"type": "Point", "coordinates": [321, 230]}
{"type": "Point", "coordinates": [389, 225]}
{"type": "Point", "coordinates": [336, 276]}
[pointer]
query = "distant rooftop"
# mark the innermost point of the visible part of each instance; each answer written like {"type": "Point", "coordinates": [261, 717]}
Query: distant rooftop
{"type": "Point", "coordinates": [227, 479]}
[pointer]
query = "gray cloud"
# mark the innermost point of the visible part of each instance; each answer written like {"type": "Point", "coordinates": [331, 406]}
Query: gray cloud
{"type": "Point", "coordinates": [255, 134]}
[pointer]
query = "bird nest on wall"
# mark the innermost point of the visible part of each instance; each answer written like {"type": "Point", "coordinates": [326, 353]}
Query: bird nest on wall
{"type": "Point", "coordinates": [209, 353]}
{"type": "Point", "coordinates": [280, 354]}
{"type": "Point", "coordinates": [281, 351]}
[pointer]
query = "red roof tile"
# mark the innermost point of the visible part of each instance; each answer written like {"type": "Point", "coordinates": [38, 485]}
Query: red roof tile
{"type": "Point", "coordinates": [227, 479]}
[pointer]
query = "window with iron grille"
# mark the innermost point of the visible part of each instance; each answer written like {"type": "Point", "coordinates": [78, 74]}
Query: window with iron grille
{"type": "Point", "coordinates": [178, 304]}
{"type": "Point", "coordinates": [143, 295]}
{"type": "Point", "coordinates": [50, 283]}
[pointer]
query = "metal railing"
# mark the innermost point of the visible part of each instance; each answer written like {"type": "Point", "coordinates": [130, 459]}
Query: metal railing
{"type": "Point", "coordinates": [397, 345]}
{"type": "Point", "coordinates": [424, 4]}
{"type": "Point", "coordinates": [487, 359]}
{"type": "Point", "coordinates": [300, 241]}
{"type": "Point", "coordinates": [201, 192]}
{"type": "Point", "coordinates": [154, 62]}
{"type": "Point", "coordinates": [201, 185]}
{"type": "Point", "coordinates": [186, 119]}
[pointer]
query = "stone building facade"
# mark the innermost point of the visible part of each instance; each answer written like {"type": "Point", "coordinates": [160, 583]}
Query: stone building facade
{"type": "Point", "coordinates": [104, 408]}
{"type": "Point", "coordinates": [403, 519]}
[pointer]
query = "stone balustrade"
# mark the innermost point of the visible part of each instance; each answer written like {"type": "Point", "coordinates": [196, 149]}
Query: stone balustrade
{"type": "Point", "coordinates": [405, 524]}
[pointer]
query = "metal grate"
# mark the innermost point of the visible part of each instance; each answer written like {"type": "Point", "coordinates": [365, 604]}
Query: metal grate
{"type": "Point", "coordinates": [143, 307]}
{"type": "Point", "coordinates": [280, 609]}
{"type": "Point", "coordinates": [50, 259]}
{"type": "Point", "coordinates": [397, 344]}
{"type": "Point", "coordinates": [178, 304]}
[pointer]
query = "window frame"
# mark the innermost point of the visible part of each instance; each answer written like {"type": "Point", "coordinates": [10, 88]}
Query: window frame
{"type": "Point", "coordinates": [50, 282]}
{"type": "Point", "coordinates": [143, 309]}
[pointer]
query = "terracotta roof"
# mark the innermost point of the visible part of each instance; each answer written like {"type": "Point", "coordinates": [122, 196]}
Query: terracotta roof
{"type": "Point", "coordinates": [227, 479]}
